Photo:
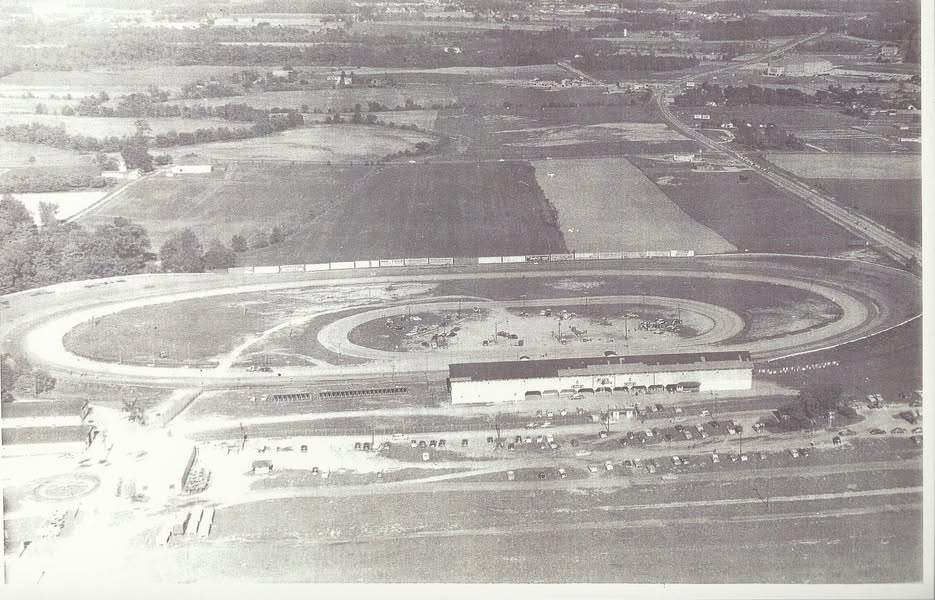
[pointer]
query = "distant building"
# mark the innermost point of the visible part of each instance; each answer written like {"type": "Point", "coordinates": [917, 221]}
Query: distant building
{"type": "Point", "coordinates": [683, 158]}
{"type": "Point", "coordinates": [889, 50]}
{"type": "Point", "coordinates": [283, 73]}
{"type": "Point", "coordinates": [702, 117]}
{"type": "Point", "coordinates": [797, 66]}
{"type": "Point", "coordinates": [339, 79]}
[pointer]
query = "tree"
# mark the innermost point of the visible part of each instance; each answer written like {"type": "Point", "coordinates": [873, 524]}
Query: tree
{"type": "Point", "coordinates": [47, 214]}
{"type": "Point", "coordinates": [276, 235]}
{"type": "Point", "coordinates": [182, 253]}
{"type": "Point", "coordinates": [9, 372]}
{"type": "Point", "coordinates": [238, 243]}
{"type": "Point", "coordinates": [42, 381]}
{"type": "Point", "coordinates": [219, 256]}
{"type": "Point", "coordinates": [136, 156]}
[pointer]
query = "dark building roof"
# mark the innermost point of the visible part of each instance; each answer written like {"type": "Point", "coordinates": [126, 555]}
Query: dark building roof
{"type": "Point", "coordinates": [46, 408]}
{"type": "Point", "coordinates": [45, 435]}
{"type": "Point", "coordinates": [533, 369]}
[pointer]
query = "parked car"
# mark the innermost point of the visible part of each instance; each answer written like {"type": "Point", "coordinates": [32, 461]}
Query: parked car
{"type": "Point", "coordinates": [676, 460]}
{"type": "Point", "coordinates": [592, 469]}
{"type": "Point", "coordinates": [744, 458]}
{"type": "Point", "coordinates": [422, 444]}
{"type": "Point", "coordinates": [541, 475]}
{"type": "Point", "coordinates": [510, 476]}
{"type": "Point", "coordinates": [793, 453]}
{"type": "Point", "coordinates": [898, 430]}
{"type": "Point", "coordinates": [433, 444]}
{"type": "Point", "coordinates": [715, 458]}
{"type": "Point", "coordinates": [442, 443]}
{"type": "Point", "coordinates": [562, 473]}
{"type": "Point", "coordinates": [876, 431]}
{"type": "Point", "coordinates": [762, 455]}
{"type": "Point", "coordinates": [602, 434]}
{"type": "Point", "coordinates": [464, 443]}
{"type": "Point", "coordinates": [609, 465]}
{"type": "Point", "coordinates": [413, 444]}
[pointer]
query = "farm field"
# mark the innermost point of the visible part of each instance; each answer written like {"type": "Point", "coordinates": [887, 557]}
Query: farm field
{"type": "Point", "coordinates": [401, 210]}
{"type": "Point", "coordinates": [16, 154]}
{"type": "Point", "coordinates": [342, 99]}
{"type": "Point", "coordinates": [106, 126]}
{"type": "Point", "coordinates": [607, 204]}
{"type": "Point", "coordinates": [531, 131]}
{"type": "Point", "coordinates": [15, 104]}
{"type": "Point", "coordinates": [895, 203]}
{"type": "Point", "coordinates": [236, 198]}
{"type": "Point", "coordinates": [317, 143]}
{"type": "Point", "coordinates": [752, 216]}
{"type": "Point", "coordinates": [69, 203]}
{"type": "Point", "coordinates": [847, 166]}
{"type": "Point", "coordinates": [115, 81]}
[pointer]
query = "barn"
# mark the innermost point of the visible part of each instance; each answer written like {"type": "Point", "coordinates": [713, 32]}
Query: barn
{"type": "Point", "coordinates": [609, 376]}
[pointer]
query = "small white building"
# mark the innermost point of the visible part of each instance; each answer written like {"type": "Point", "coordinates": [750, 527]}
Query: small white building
{"type": "Point", "coordinates": [683, 158]}
{"type": "Point", "coordinates": [33, 441]}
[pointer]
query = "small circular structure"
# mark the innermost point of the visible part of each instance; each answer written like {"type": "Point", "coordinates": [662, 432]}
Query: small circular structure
{"type": "Point", "coordinates": [66, 487]}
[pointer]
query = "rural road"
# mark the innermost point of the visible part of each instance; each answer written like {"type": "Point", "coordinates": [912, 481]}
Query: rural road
{"type": "Point", "coordinates": [891, 243]}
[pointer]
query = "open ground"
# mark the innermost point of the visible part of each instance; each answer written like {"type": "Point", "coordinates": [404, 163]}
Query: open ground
{"type": "Point", "coordinates": [609, 205]}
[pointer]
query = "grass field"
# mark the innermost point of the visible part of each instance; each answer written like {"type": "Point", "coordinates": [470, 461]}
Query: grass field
{"type": "Point", "coordinates": [896, 203]}
{"type": "Point", "coordinates": [342, 99]}
{"type": "Point", "coordinates": [188, 332]}
{"type": "Point", "coordinates": [15, 154]}
{"type": "Point", "coordinates": [69, 203]}
{"type": "Point", "coordinates": [607, 204]}
{"type": "Point", "coordinates": [236, 198]}
{"type": "Point", "coordinates": [14, 104]}
{"type": "Point", "coordinates": [752, 216]}
{"type": "Point", "coordinates": [115, 81]}
{"type": "Point", "coordinates": [104, 126]}
{"type": "Point", "coordinates": [401, 210]}
{"type": "Point", "coordinates": [317, 143]}
{"type": "Point", "coordinates": [849, 166]}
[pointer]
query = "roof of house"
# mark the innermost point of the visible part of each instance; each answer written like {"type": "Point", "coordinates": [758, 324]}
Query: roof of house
{"type": "Point", "coordinates": [44, 435]}
{"type": "Point", "coordinates": [597, 365]}
{"type": "Point", "coordinates": [45, 408]}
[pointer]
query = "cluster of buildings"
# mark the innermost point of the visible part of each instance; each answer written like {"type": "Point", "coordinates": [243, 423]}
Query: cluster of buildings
{"type": "Point", "coordinates": [601, 377]}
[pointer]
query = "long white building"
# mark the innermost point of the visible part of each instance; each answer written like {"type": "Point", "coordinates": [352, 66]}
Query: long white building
{"type": "Point", "coordinates": [608, 376]}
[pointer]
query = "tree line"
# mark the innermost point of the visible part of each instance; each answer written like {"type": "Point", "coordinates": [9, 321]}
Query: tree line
{"type": "Point", "coordinates": [33, 256]}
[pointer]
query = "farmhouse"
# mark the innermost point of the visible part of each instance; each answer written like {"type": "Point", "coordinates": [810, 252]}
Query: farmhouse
{"type": "Point", "coordinates": [64, 413]}
{"type": "Point", "coordinates": [604, 376]}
